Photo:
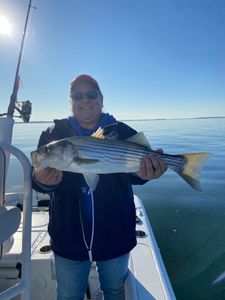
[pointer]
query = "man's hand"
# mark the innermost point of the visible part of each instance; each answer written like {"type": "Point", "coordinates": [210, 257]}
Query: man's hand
{"type": "Point", "coordinates": [152, 166]}
{"type": "Point", "coordinates": [48, 176]}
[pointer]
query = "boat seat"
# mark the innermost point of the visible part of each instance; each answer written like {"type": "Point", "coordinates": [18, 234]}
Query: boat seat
{"type": "Point", "coordinates": [9, 221]}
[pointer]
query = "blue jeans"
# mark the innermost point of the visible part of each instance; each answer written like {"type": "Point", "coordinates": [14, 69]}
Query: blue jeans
{"type": "Point", "coordinates": [72, 277]}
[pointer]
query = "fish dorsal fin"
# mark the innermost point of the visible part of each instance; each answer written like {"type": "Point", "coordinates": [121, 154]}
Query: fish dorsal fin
{"type": "Point", "coordinates": [108, 132]}
{"type": "Point", "coordinates": [139, 138]}
{"type": "Point", "coordinates": [99, 133]}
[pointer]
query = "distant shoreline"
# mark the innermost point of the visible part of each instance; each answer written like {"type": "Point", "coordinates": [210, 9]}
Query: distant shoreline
{"type": "Point", "coordinates": [156, 119]}
{"type": "Point", "coordinates": [168, 119]}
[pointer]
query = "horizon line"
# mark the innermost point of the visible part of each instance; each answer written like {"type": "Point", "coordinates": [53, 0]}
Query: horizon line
{"type": "Point", "coordinates": [144, 119]}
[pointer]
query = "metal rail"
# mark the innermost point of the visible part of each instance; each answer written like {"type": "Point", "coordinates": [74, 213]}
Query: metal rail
{"type": "Point", "coordinates": [23, 287]}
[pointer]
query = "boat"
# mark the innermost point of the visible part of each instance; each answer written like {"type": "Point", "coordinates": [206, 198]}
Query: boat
{"type": "Point", "coordinates": [26, 260]}
{"type": "Point", "coordinates": [27, 264]}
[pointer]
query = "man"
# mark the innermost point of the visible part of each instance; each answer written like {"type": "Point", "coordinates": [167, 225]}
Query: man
{"type": "Point", "coordinates": [88, 226]}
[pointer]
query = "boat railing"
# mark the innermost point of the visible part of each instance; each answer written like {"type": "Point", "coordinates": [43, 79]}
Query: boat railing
{"type": "Point", "coordinates": [23, 286]}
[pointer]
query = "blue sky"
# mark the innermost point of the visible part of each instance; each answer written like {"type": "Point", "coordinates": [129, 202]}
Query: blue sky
{"type": "Point", "coordinates": [152, 58]}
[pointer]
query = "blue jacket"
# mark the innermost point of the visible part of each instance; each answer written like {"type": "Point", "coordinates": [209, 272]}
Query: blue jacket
{"type": "Point", "coordinates": [114, 209]}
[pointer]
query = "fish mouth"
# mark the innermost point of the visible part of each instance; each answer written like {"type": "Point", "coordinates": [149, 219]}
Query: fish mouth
{"type": "Point", "coordinates": [36, 162]}
{"type": "Point", "coordinates": [33, 155]}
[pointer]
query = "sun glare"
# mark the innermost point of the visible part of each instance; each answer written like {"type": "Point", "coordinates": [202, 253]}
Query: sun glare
{"type": "Point", "coordinates": [5, 27]}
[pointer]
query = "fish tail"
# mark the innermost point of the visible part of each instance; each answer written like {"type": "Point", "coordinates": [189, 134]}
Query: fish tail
{"type": "Point", "coordinates": [191, 170]}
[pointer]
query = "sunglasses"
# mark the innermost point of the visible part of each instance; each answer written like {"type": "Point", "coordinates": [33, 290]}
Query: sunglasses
{"type": "Point", "coordinates": [90, 95]}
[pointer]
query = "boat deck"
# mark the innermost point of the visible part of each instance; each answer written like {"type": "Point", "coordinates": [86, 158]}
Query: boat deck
{"type": "Point", "coordinates": [147, 278]}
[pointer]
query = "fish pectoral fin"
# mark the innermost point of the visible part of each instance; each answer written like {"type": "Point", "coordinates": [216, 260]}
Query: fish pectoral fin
{"type": "Point", "coordinates": [91, 180]}
{"type": "Point", "coordinates": [85, 161]}
{"type": "Point", "coordinates": [139, 138]}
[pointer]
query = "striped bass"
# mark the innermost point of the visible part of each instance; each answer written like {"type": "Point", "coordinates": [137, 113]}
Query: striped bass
{"type": "Point", "coordinates": [95, 155]}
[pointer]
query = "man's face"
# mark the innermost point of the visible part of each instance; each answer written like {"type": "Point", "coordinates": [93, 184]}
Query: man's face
{"type": "Point", "coordinates": [86, 103]}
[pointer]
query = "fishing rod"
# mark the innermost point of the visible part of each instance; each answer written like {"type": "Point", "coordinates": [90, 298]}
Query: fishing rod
{"type": "Point", "coordinates": [13, 97]}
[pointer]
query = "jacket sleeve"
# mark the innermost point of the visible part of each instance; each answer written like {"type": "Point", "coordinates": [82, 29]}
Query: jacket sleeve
{"type": "Point", "coordinates": [46, 137]}
{"type": "Point", "coordinates": [59, 130]}
{"type": "Point", "coordinates": [135, 180]}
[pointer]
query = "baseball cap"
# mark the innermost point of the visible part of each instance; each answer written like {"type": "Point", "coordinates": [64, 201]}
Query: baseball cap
{"type": "Point", "coordinates": [83, 77]}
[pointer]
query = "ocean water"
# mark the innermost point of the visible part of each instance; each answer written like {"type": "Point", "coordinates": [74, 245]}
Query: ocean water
{"type": "Point", "coordinates": [189, 226]}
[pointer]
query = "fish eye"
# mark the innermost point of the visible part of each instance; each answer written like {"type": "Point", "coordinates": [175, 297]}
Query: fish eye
{"type": "Point", "coordinates": [46, 149]}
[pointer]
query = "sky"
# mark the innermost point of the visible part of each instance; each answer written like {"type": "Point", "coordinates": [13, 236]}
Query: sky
{"type": "Point", "coordinates": [152, 58]}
